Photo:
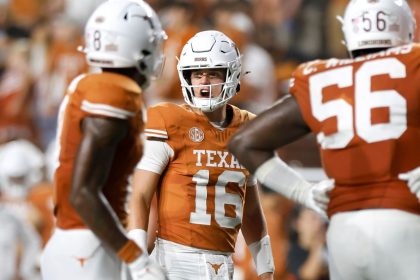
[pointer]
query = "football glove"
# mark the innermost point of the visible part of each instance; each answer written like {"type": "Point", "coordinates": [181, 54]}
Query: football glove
{"type": "Point", "coordinates": [413, 180]}
{"type": "Point", "coordinates": [318, 198]}
{"type": "Point", "coordinates": [144, 269]}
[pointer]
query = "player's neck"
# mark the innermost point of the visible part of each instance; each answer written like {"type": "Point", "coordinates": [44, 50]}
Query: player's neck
{"type": "Point", "coordinates": [217, 116]}
{"type": "Point", "coordinates": [130, 72]}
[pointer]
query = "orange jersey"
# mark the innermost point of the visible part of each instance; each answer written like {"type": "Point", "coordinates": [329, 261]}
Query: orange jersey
{"type": "Point", "coordinates": [202, 190]}
{"type": "Point", "coordinates": [365, 113]}
{"type": "Point", "coordinates": [104, 95]}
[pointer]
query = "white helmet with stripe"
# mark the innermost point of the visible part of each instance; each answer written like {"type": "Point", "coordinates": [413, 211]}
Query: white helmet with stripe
{"type": "Point", "coordinates": [208, 50]}
{"type": "Point", "coordinates": [123, 34]}
{"type": "Point", "coordinates": [371, 24]}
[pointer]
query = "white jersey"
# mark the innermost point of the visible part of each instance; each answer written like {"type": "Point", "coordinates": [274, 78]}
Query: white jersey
{"type": "Point", "coordinates": [15, 233]}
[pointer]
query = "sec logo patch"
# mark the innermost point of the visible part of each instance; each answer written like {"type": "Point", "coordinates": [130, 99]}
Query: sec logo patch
{"type": "Point", "coordinates": [196, 134]}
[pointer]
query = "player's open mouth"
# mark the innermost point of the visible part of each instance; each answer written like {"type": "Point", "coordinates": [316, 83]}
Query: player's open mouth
{"type": "Point", "coordinates": [205, 93]}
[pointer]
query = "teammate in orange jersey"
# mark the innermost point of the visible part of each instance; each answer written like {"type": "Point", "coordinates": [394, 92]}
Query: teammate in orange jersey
{"type": "Point", "coordinates": [204, 195]}
{"type": "Point", "coordinates": [365, 112]}
{"type": "Point", "coordinates": [98, 141]}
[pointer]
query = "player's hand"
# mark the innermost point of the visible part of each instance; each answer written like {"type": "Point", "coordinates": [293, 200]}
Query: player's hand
{"type": "Point", "coordinates": [413, 180]}
{"type": "Point", "coordinates": [318, 197]}
{"type": "Point", "coordinates": [143, 268]}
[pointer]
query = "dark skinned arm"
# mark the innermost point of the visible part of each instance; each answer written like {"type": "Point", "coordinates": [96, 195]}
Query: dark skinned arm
{"type": "Point", "coordinates": [253, 223]}
{"type": "Point", "coordinates": [257, 141]}
{"type": "Point", "coordinates": [92, 166]}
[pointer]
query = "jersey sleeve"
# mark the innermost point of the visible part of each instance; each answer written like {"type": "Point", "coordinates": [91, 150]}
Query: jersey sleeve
{"type": "Point", "coordinates": [156, 156]}
{"type": "Point", "coordinates": [155, 128]}
{"type": "Point", "coordinates": [296, 81]}
{"type": "Point", "coordinates": [109, 100]}
{"type": "Point", "coordinates": [299, 88]}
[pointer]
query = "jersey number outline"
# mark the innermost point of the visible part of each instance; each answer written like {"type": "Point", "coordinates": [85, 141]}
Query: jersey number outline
{"type": "Point", "coordinates": [365, 100]}
{"type": "Point", "coordinates": [200, 215]}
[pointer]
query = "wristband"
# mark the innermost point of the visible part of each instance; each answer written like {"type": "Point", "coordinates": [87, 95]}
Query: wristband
{"type": "Point", "coordinates": [140, 237]}
{"type": "Point", "coordinates": [262, 255]}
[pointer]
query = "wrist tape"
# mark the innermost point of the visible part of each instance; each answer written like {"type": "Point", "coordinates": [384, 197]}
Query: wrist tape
{"type": "Point", "coordinates": [262, 254]}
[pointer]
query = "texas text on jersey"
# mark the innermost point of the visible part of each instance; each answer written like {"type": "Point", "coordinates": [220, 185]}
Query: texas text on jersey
{"type": "Point", "coordinates": [201, 196]}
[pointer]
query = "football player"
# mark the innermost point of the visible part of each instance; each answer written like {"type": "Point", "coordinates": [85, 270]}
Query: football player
{"type": "Point", "coordinates": [21, 164]}
{"type": "Point", "coordinates": [98, 142]}
{"type": "Point", "coordinates": [365, 112]}
{"type": "Point", "coordinates": [204, 196]}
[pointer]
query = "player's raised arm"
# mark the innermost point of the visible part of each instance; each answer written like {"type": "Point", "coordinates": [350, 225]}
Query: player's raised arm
{"type": "Point", "coordinates": [257, 141]}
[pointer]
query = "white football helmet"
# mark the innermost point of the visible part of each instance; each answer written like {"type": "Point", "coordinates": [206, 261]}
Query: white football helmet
{"type": "Point", "coordinates": [371, 24]}
{"type": "Point", "coordinates": [125, 33]}
{"type": "Point", "coordinates": [207, 50]}
{"type": "Point", "coordinates": [21, 167]}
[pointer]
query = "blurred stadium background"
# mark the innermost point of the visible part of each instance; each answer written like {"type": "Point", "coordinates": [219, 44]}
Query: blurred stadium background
{"type": "Point", "coordinates": [39, 57]}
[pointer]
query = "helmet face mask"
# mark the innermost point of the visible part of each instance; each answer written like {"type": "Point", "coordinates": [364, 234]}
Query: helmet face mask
{"type": "Point", "coordinates": [125, 34]}
{"type": "Point", "coordinates": [373, 24]}
{"type": "Point", "coordinates": [210, 50]}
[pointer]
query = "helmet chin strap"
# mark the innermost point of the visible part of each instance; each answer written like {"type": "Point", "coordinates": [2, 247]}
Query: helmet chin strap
{"type": "Point", "coordinates": [207, 104]}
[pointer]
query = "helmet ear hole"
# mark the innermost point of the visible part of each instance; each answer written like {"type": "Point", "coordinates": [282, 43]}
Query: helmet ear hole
{"type": "Point", "coordinates": [142, 66]}
{"type": "Point", "coordinates": [146, 52]}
